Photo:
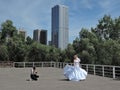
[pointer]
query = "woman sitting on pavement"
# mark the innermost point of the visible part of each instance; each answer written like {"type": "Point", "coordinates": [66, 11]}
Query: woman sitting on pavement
{"type": "Point", "coordinates": [34, 75]}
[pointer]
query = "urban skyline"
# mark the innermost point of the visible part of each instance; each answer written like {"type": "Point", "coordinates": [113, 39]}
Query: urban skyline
{"type": "Point", "coordinates": [31, 14]}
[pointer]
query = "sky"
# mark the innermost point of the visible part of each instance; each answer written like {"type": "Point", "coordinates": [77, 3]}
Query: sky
{"type": "Point", "coordinates": [36, 14]}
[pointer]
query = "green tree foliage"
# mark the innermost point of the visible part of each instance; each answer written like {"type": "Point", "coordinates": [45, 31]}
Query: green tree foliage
{"type": "Point", "coordinates": [34, 53]}
{"type": "Point", "coordinates": [29, 41]}
{"type": "Point", "coordinates": [16, 50]}
{"type": "Point", "coordinates": [70, 52]}
{"type": "Point", "coordinates": [105, 26]}
{"type": "Point", "coordinates": [87, 50]}
{"type": "Point", "coordinates": [115, 32]}
{"type": "Point", "coordinates": [3, 53]}
{"type": "Point", "coordinates": [8, 30]}
{"type": "Point", "coordinates": [99, 45]}
{"type": "Point", "coordinates": [13, 42]}
{"type": "Point", "coordinates": [54, 54]}
{"type": "Point", "coordinates": [76, 45]}
{"type": "Point", "coordinates": [39, 52]}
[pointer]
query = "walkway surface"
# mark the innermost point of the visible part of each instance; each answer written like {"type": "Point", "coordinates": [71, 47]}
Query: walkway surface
{"type": "Point", "coordinates": [51, 79]}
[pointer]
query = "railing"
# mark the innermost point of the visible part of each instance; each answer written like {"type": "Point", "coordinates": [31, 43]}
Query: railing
{"type": "Point", "coordinates": [6, 64]}
{"type": "Point", "coordinates": [101, 70]}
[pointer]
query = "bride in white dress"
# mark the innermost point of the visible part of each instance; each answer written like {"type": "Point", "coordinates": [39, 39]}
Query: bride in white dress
{"type": "Point", "coordinates": [75, 73]}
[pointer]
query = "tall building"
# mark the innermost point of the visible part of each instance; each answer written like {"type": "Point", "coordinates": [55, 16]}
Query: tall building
{"type": "Point", "coordinates": [23, 33]}
{"type": "Point", "coordinates": [43, 37]}
{"type": "Point", "coordinates": [40, 36]}
{"type": "Point", "coordinates": [60, 26]}
{"type": "Point", "coordinates": [36, 35]}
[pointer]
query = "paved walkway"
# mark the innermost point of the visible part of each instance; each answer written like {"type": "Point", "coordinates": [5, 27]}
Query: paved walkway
{"type": "Point", "coordinates": [51, 79]}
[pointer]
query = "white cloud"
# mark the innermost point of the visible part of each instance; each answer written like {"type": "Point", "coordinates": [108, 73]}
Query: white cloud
{"type": "Point", "coordinates": [86, 4]}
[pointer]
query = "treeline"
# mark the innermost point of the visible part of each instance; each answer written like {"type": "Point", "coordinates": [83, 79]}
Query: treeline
{"type": "Point", "coordinates": [14, 47]}
{"type": "Point", "coordinates": [99, 45]}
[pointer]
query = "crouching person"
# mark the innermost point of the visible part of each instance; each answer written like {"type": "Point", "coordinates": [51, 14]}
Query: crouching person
{"type": "Point", "coordinates": [34, 75]}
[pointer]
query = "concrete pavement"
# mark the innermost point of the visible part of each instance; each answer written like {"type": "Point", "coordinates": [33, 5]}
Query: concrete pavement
{"type": "Point", "coordinates": [51, 79]}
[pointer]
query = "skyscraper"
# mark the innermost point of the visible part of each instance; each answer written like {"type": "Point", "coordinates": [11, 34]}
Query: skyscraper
{"type": "Point", "coordinates": [60, 26]}
{"type": "Point", "coordinates": [36, 35]}
{"type": "Point", "coordinates": [40, 36]}
{"type": "Point", "coordinates": [43, 37]}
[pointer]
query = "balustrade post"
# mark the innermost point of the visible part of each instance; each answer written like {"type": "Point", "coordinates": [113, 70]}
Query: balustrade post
{"type": "Point", "coordinates": [63, 64]}
{"type": "Point", "coordinates": [54, 65]}
{"type": "Point", "coordinates": [103, 73]}
{"type": "Point", "coordinates": [24, 64]}
{"type": "Point", "coordinates": [42, 64]}
{"type": "Point", "coordinates": [33, 64]}
{"type": "Point", "coordinates": [94, 70]}
{"type": "Point", "coordinates": [113, 72]}
{"type": "Point", "coordinates": [57, 64]}
{"type": "Point", "coordinates": [60, 64]}
{"type": "Point", "coordinates": [51, 64]}
{"type": "Point", "coordinates": [87, 67]}
{"type": "Point", "coordinates": [13, 64]}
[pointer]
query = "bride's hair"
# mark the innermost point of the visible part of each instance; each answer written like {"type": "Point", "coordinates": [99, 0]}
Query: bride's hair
{"type": "Point", "coordinates": [75, 56]}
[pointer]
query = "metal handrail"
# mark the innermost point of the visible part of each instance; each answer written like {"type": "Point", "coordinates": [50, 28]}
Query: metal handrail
{"type": "Point", "coordinates": [101, 70]}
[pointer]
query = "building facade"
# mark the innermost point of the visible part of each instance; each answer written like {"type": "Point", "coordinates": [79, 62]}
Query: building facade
{"type": "Point", "coordinates": [60, 33]}
{"type": "Point", "coordinates": [22, 33]}
{"type": "Point", "coordinates": [40, 36]}
{"type": "Point", "coordinates": [43, 37]}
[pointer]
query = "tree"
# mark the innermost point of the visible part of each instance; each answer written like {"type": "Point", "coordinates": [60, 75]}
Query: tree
{"type": "Point", "coordinates": [76, 44]}
{"type": "Point", "coordinates": [3, 53]}
{"type": "Point", "coordinates": [84, 33]}
{"type": "Point", "coordinates": [39, 52]}
{"type": "Point", "coordinates": [115, 52]}
{"type": "Point", "coordinates": [115, 32]}
{"type": "Point", "coordinates": [29, 41]}
{"type": "Point", "coordinates": [34, 53]}
{"type": "Point", "coordinates": [104, 27]}
{"type": "Point", "coordinates": [86, 46]}
{"type": "Point", "coordinates": [8, 30]}
{"type": "Point", "coordinates": [54, 54]}
{"type": "Point", "coordinates": [70, 52]}
{"type": "Point", "coordinates": [16, 50]}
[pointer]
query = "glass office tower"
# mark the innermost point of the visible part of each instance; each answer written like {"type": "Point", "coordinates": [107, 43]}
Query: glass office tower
{"type": "Point", "coordinates": [60, 26]}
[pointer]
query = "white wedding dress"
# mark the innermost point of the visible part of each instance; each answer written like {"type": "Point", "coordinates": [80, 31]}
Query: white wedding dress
{"type": "Point", "coordinates": [75, 73]}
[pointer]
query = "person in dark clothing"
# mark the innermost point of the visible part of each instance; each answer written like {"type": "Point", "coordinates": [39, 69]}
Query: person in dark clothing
{"type": "Point", "coordinates": [34, 75]}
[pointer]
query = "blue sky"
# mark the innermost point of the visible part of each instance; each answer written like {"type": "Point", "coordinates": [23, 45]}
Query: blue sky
{"type": "Point", "coordinates": [36, 14]}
